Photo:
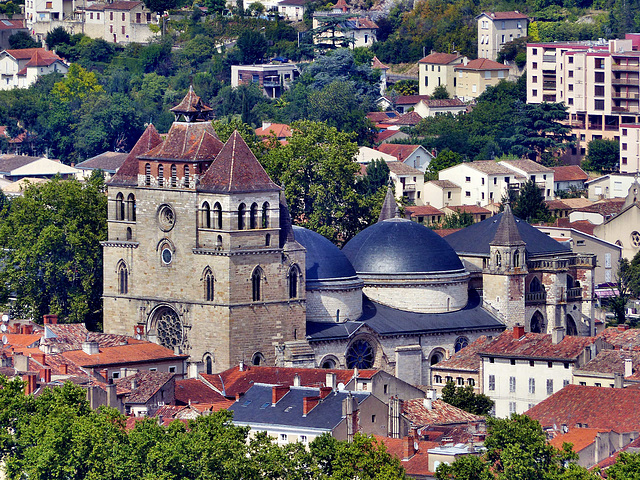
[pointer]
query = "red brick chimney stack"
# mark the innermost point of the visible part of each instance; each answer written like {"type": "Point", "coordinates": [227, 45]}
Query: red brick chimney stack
{"type": "Point", "coordinates": [518, 331]}
{"type": "Point", "coordinates": [308, 403]}
{"type": "Point", "coordinates": [408, 447]}
{"type": "Point", "coordinates": [50, 319]}
{"type": "Point", "coordinates": [277, 392]}
{"type": "Point", "coordinates": [325, 391]}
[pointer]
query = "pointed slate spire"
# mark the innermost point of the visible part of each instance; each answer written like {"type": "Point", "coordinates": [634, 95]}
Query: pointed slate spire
{"type": "Point", "coordinates": [507, 233]}
{"type": "Point", "coordinates": [286, 225]}
{"type": "Point", "coordinates": [389, 207]}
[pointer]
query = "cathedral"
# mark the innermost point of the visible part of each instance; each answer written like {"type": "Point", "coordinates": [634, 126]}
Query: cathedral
{"type": "Point", "coordinates": [202, 257]}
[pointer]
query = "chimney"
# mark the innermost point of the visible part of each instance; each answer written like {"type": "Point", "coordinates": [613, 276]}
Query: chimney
{"type": "Point", "coordinates": [296, 380]}
{"type": "Point", "coordinates": [408, 447]}
{"type": "Point", "coordinates": [138, 330]}
{"type": "Point", "coordinates": [27, 329]}
{"type": "Point", "coordinates": [134, 383]}
{"type": "Point", "coordinates": [628, 367]}
{"type": "Point", "coordinates": [428, 400]}
{"type": "Point", "coordinates": [331, 380]}
{"type": "Point", "coordinates": [518, 331]}
{"type": "Point", "coordinates": [63, 369]}
{"type": "Point", "coordinates": [45, 375]}
{"type": "Point", "coordinates": [90, 348]}
{"type": "Point", "coordinates": [241, 366]}
{"type": "Point", "coordinates": [50, 319]}
{"type": "Point", "coordinates": [266, 125]}
{"type": "Point", "coordinates": [39, 357]}
{"type": "Point", "coordinates": [21, 362]}
{"type": "Point", "coordinates": [105, 374]}
{"type": "Point", "coordinates": [618, 380]}
{"type": "Point", "coordinates": [557, 334]}
{"type": "Point", "coordinates": [325, 391]}
{"type": "Point", "coordinates": [30, 383]}
{"type": "Point", "coordinates": [112, 395]}
{"type": "Point", "coordinates": [277, 392]}
{"type": "Point", "coordinates": [308, 403]}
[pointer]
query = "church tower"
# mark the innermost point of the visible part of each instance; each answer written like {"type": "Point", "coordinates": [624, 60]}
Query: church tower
{"type": "Point", "coordinates": [505, 272]}
{"type": "Point", "coordinates": [197, 259]}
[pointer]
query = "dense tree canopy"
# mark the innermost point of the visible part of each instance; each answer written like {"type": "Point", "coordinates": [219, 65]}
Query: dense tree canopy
{"type": "Point", "coordinates": [602, 156]}
{"type": "Point", "coordinates": [528, 203]}
{"type": "Point", "coordinates": [464, 397]}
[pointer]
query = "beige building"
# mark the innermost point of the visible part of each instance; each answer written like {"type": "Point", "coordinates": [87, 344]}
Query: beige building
{"type": "Point", "coordinates": [497, 28]}
{"type": "Point", "coordinates": [613, 185]}
{"type": "Point", "coordinates": [474, 77]}
{"type": "Point", "coordinates": [437, 69]}
{"type": "Point", "coordinates": [441, 193]}
{"type": "Point", "coordinates": [623, 229]}
{"type": "Point", "coordinates": [274, 78]}
{"type": "Point", "coordinates": [408, 182]}
{"type": "Point", "coordinates": [630, 148]}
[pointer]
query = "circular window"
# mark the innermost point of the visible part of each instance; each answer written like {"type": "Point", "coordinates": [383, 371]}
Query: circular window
{"type": "Point", "coordinates": [169, 328]}
{"type": "Point", "coordinates": [461, 342]}
{"type": "Point", "coordinates": [360, 355]}
{"type": "Point", "coordinates": [166, 218]}
{"type": "Point", "coordinates": [167, 255]}
{"type": "Point", "coordinates": [635, 239]}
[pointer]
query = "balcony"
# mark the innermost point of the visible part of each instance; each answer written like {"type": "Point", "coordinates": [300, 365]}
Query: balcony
{"type": "Point", "coordinates": [626, 95]}
{"type": "Point", "coordinates": [548, 85]}
{"type": "Point", "coordinates": [409, 187]}
{"type": "Point", "coordinates": [625, 68]}
{"type": "Point", "coordinates": [574, 293]}
{"type": "Point", "coordinates": [535, 297]}
{"type": "Point", "coordinates": [271, 81]}
{"type": "Point", "coordinates": [549, 58]}
{"type": "Point", "coordinates": [625, 81]}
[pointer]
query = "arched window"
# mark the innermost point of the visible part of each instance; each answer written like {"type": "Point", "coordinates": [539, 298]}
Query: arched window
{"type": "Point", "coordinates": [160, 176]}
{"type": "Point", "coordinates": [360, 355]}
{"type": "Point", "coordinates": [516, 258]}
{"type": "Point", "coordinates": [258, 359]}
{"type": "Point", "coordinates": [206, 215]}
{"type": "Point", "coordinates": [329, 363]}
{"type": "Point", "coordinates": [219, 241]}
{"type": "Point", "coordinates": [570, 282]}
{"type": "Point", "coordinates": [253, 216]}
{"type": "Point", "coordinates": [498, 259]}
{"type": "Point", "coordinates": [537, 323]}
{"type": "Point", "coordinates": [208, 364]}
{"type": "Point", "coordinates": [572, 329]}
{"type": "Point", "coordinates": [461, 342]}
{"type": "Point", "coordinates": [535, 285]}
{"type": "Point", "coordinates": [265, 215]}
{"type": "Point", "coordinates": [147, 174]}
{"type": "Point", "coordinates": [119, 206]}
{"type": "Point", "coordinates": [129, 234]}
{"type": "Point", "coordinates": [131, 207]}
{"type": "Point", "coordinates": [256, 284]}
{"type": "Point", "coordinates": [241, 211]}
{"type": "Point", "coordinates": [186, 176]}
{"type": "Point", "coordinates": [123, 278]}
{"type": "Point", "coordinates": [208, 284]}
{"type": "Point", "coordinates": [217, 216]}
{"type": "Point", "coordinates": [293, 279]}
{"type": "Point", "coordinates": [174, 176]}
{"type": "Point", "coordinates": [267, 240]}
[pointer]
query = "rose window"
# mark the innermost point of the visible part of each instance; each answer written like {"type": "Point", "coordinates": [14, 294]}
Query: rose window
{"type": "Point", "coordinates": [360, 355]}
{"type": "Point", "coordinates": [169, 328]}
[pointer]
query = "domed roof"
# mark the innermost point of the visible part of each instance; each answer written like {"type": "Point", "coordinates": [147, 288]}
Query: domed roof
{"type": "Point", "coordinates": [324, 261]}
{"type": "Point", "coordinates": [400, 246]}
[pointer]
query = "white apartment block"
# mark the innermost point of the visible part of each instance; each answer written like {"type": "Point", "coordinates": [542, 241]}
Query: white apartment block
{"type": "Point", "coordinates": [630, 148]}
{"type": "Point", "coordinates": [599, 83]}
{"type": "Point", "coordinates": [497, 28]}
{"type": "Point", "coordinates": [614, 185]}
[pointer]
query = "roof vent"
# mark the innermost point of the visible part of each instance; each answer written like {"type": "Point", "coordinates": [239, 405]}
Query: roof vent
{"type": "Point", "coordinates": [90, 348]}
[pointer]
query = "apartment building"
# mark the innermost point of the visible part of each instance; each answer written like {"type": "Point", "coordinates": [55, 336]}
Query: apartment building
{"type": "Point", "coordinates": [630, 148]}
{"type": "Point", "coordinates": [497, 28]}
{"type": "Point", "coordinates": [274, 79]}
{"type": "Point", "coordinates": [598, 81]}
{"type": "Point", "coordinates": [438, 69]}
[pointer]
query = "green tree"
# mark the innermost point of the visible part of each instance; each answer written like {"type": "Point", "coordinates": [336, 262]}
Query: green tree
{"type": "Point", "coordinates": [466, 399]}
{"type": "Point", "coordinates": [256, 8]}
{"type": "Point", "coordinates": [377, 175]}
{"type": "Point", "coordinates": [56, 37]}
{"type": "Point", "coordinates": [457, 220]}
{"type": "Point", "coordinates": [528, 203]}
{"type": "Point", "coordinates": [22, 39]}
{"type": "Point", "coordinates": [405, 87]}
{"type": "Point", "coordinates": [445, 159]}
{"type": "Point", "coordinates": [253, 47]}
{"type": "Point", "coordinates": [76, 85]}
{"type": "Point", "coordinates": [468, 467]}
{"type": "Point", "coordinates": [160, 6]}
{"type": "Point", "coordinates": [602, 156]}
{"type": "Point", "coordinates": [318, 172]}
{"type": "Point", "coordinates": [515, 50]}
{"type": "Point", "coordinates": [51, 253]}
{"type": "Point", "coordinates": [627, 467]}
{"type": "Point", "coordinates": [362, 55]}
{"type": "Point", "coordinates": [440, 93]}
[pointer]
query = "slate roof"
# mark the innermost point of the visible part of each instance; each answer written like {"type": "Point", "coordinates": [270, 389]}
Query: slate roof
{"type": "Point", "coordinates": [236, 170]}
{"type": "Point", "coordinates": [123, 354]}
{"type": "Point", "coordinates": [476, 239]}
{"type": "Point", "coordinates": [441, 413]}
{"type": "Point", "coordinates": [569, 173]}
{"type": "Point", "coordinates": [386, 320]}
{"type": "Point", "coordinates": [235, 381]}
{"type": "Point", "coordinates": [592, 407]}
{"type": "Point", "coordinates": [610, 362]}
{"type": "Point", "coordinates": [528, 166]}
{"type": "Point", "coordinates": [8, 163]}
{"type": "Point", "coordinates": [108, 161]}
{"type": "Point", "coordinates": [400, 168]}
{"type": "Point", "coordinates": [507, 232]}
{"type": "Point", "coordinates": [192, 391]}
{"type": "Point", "coordinates": [482, 64]}
{"type": "Point", "coordinates": [536, 346]}
{"type": "Point", "coordinates": [128, 173]}
{"type": "Point", "coordinates": [468, 358]}
{"type": "Point", "coordinates": [187, 141]}
{"type": "Point", "coordinates": [255, 408]}
{"type": "Point", "coordinates": [440, 58]}
{"type": "Point", "coordinates": [389, 206]}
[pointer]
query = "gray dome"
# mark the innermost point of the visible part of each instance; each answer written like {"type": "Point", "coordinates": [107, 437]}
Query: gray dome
{"type": "Point", "coordinates": [400, 246]}
{"type": "Point", "coordinates": [324, 261]}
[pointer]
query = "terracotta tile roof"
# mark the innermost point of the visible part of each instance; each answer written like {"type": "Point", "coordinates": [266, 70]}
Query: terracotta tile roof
{"type": "Point", "coordinates": [444, 102]}
{"type": "Point", "coordinates": [400, 151]}
{"type": "Point", "coordinates": [148, 384]}
{"type": "Point", "coordinates": [422, 210]}
{"type": "Point", "coordinates": [42, 58]}
{"type": "Point", "coordinates": [168, 411]}
{"type": "Point", "coordinates": [386, 134]}
{"type": "Point", "coordinates": [187, 141]}
{"type": "Point", "coordinates": [125, 354]}
{"type": "Point", "coordinates": [440, 58]}
{"type": "Point", "coordinates": [191, 103]}
{"type": "Point", "coordinates": [59, 364]}
{"type": "Point", "coordinates": [236, 170]}
{"type": "Point", "coordinates": [610, 362]}
{"type": "Point", "coordinates": [378, 64]}
{"type": "Point", "coordinates": [569, 173]}
{"type": "Point", "coordinates": [441, 413]}
{"type": "Point", "coordinates": [490, 167]}
{"type": "Point", "coordinates": [122, 5]}
{"type": "Point", "coordinates": [128, 173]}
{"type": "Point", "coordinates": [106, 161]}
{"type": "Point", "coordinates": [192, 391]}
{"type": "Point", "coordinates": [468, 209]}
{"type": "Point", "coordinates": [584, 226]}
{"type": "Point", "coordinates": [466, 359]}
{"type": "Point", "coordinates": [592, 407]}
{"type": "Point", "coordinates": [281, 130]}
{"type": "Point", "coordinates": [411, 118]}
{"type": "Point", "coordinates": [363, 23]}
{"type": "Point", "coordinates": [409, 99]}
{"type": "Point", "coordinates": [482, 64]}
{"type": "Point", "coordinates": [400, 168]}
{"type": "Point", "coordinates": [528, 166]}
{"type": "Point", "coordinates": [581, 438]}
{"type": "Point", "coordinates": [628, 339]}
{"type": "Point", "coordinates": [233, 381]}
{"type": "Point", "coordinates": [557, 205]}
{"type": "Point", "coordinates": [536, 345]}
{"type": "Point", "coordinates": [444, 183]}
{"type": "Point", "coordinates": [28, 53]}
{"type": "Point", "coordinates": [577, 202]}
{"type": "Point", "coordinates": [65, 337]}
{"type": "Point", "coordinates": [417, 465]}
{"type": "Point", "coordinates": [506, 15]}
{"type": "Point", "coordinates": [381, 116]}
{"type": "Point", "coordinates": [443, 232]}
{"type": "Point", "coordinates": [607, 207]}
{"type": "Point", "coordinates": [11, 24]}
{"type": "Point", "coordinates": [22, 340]}
{"type": "Point", "coordinates": [294, 2]}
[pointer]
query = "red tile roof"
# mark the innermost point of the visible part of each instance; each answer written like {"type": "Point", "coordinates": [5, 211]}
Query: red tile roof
{"type": "Point", "coordinates": [71, 336]}
{"type": "Point", "coordinates": [125, 354]}
{"type": "Point", "coordinates": [444, 183]}
{"type": "Point", "coordinates": [187, 141]}
{"type": "Point", "coordinates": [593, 407]}
{"type": "Point", "coordinates": [233, 381]}
{"type": "Point", "coordinates": [482, 64]}
{"type": "Point", "coordinates": [469, 209]}
{"type": "Point", "coordinates": [466, 359]}
{"type": "Point", "coordinates": [557, 205]}
{"type": "Point", "coordinates": [607, 207]}
{"type": "Point", "coordinates": [536, 345]}
{"type": "Point", "coordinates": [380, 116]}
{"type": "Point", "coordinates": [417, 465]}
{"type": "Point", "coordinates": [236, 170]}
{"type": "Point", "coordinates": [580, 438]}
{"type": "Point", "coordinates": [400, 168]}
{"type": "Point", "coordinates": [444, 102]}
{"type": "Point", "coordinates": [147, 385]}
{"type": "Point", "coordinates": [610, 362]}
{"type": "Point", "coordinates": [191, 103]}
{"type": "Point", "coordinates": [411, 118]}
{"type": "Point", "coordinates": [409, 99]}
{"type": "Point", "coordinates": [569, 173]}
{"type": "Point", "coordinates": [27, 53]}
{"type": "Point", "coordinates": [441, 413]}
{"type": "Point", "coordinates": [11, 24]}
{"type": "Point", "coordinates": [584, 226]}
{"type": "Point", "coordinates": [128, 173]}
{"type": "Point", "coordinates": [387, 134]}
{"type": "Point", "coordinates": [192, 391]}
{"type": "Point", "coordinates": [280, 130]}
{"type": "Point", "coordinates": [440, 58]}
{"type": "Point", "coordinates": [400, 151]}
{"type": "Point", "coordinates": [422, 210]}
{"type": "Point", "coordinates": [42, 58]}
{"type": "Point", "coordinates": [22, 340]}
{"type": "Point", "coordinates": [620, 339]}
{"type": "Point", "coordinates": [506, 15]}
{"type": "Point", "coordinates": [443, 232]}
{"type": "Point", "coordinates": [378, 64]}
{"type": "Point", "coordinates": [122, 5]}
